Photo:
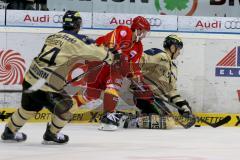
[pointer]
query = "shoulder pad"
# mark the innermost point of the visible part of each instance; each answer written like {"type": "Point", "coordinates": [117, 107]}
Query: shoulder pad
{"type": "Point", "coordinates": [153, 51]}
{"type": "Point", "coordinates": [124, 31]}
{"type": "Point", "coordinates": [123, 27]}
{"type": "Point", "coordinates": [85, 39]}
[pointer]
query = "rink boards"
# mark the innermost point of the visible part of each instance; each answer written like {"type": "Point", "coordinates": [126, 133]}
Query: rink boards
{"type": "Point", "coordinates": [203, 79]}
{"type": "Point", "coordinates": [206, 78]}
{"type": "Point", "coordinates": [93, 116]}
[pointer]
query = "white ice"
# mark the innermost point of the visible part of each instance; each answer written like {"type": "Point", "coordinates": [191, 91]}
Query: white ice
{"type": "Point", "coordinates": [87, 143]}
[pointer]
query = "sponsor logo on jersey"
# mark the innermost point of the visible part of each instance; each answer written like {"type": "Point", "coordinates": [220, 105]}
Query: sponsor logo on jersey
{"type": "Point", "coordinates": [133, 53]}
{"type": "Point", "coordinates": [229, 66]}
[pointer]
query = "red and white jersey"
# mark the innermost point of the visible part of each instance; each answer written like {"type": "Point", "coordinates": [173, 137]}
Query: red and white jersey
{"type": "Point", "coordinates": [131, 58]}
{"type": "Point", "coordinates": [120, 40]}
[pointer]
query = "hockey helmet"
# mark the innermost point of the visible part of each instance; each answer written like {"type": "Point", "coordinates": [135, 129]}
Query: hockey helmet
{"type": "Point", "coordinates": [72, 20]}
{"type": "Point", "coordinates": [140, 23]}
{"type": "Point", "coordinates": [172, 40]}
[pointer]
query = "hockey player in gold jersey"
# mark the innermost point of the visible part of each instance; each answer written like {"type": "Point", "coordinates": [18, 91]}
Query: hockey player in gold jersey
{"type": "Point", "coordinates": [59, 52]}
{"type": "Point", "coordinates": [160, 73]}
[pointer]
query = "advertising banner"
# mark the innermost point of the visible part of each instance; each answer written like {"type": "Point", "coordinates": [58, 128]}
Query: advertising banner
{"type": "Point", "coordinates": [15, 59]}
{"type": "Point", "coordinates": [110, 21]}
{"type": "Point", "coordinates": [209, 24]}
{"type": "Point", "coordinates": [41, 19]}
{"type": "Point", "coordinates": [2, 17]}
{"type": "Point", "coordinates": [221, 8]}
{"type": "Point", "coordinates": [222, 72]}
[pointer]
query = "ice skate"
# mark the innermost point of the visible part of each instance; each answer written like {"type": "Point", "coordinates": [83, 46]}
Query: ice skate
{"type": "Point", "coordinates": [9, 137]}
{"type": "Point", "coordinates": [111, 121]}
{"type": "Point", "coordinates": [51, 138]}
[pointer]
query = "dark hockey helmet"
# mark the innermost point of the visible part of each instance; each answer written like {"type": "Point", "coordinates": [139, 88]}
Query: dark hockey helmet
{"type": "Point", "coordinates": [172, 40]}
{"type": "Point", "coordinates": [72, 20]}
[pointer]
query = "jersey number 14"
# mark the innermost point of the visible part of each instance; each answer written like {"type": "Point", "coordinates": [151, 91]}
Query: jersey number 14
{"type": "Point", "coordinates": [53, 52]}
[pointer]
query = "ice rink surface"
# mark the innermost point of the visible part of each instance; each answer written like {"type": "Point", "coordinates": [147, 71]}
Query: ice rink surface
{"type": "Point", "coordinates": [87, 143]}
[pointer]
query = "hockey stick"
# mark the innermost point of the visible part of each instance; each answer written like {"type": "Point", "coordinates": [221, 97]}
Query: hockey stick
{"type": "Point", "coordinates": [214, 125]}
{"type": "Point", "coordinates": [191, 122]}
{"type": "Point", "coordinates": [217, 124]}
{"type": "Point", "coordinates": [82, 75]}
{"type": "Point", "coordinates": [41, 82]}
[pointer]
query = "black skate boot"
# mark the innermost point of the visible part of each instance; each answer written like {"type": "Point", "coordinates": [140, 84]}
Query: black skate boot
{"type": "Point", "coordinates": [9, 137]}
{"type": "Point", "coordinates": [51, 138]}
{"type": "Point", "coordinates": [111, 121]}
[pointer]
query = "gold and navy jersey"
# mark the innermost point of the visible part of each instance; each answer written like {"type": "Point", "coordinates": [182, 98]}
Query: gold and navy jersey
{"type": "Point", "coordinates": [160, 73]}
{"type": "Point", "coordinates": [59, 53]}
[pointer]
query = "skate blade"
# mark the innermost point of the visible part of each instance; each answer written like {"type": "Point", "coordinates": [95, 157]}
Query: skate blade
{"type": "Point", "coordinates": [107, 127]}
{"type": "Point", "coordinates": [11, 141]}
{"type": "Point", "coordinates": [52, 143]}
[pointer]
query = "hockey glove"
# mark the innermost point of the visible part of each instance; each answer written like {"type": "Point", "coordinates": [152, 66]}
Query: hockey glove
{"type": "Point", "coordinates": [185, 110]}
{"type": "Point", "coordinates": [112, 57]}
{"type": "Point", "coordinates": [116, 54]}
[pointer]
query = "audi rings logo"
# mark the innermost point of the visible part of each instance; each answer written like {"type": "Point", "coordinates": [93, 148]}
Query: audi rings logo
{"type": "Point", "coordinates": [232, 24]}
{"type": "Point", "coordinates": [57, 18]}
{"type": "Point", "coordinates": [154, 21]}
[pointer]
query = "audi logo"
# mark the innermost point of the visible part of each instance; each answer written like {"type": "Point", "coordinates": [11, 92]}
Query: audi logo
{"type": "Point", "coordinates": [57, 18]}
{"type": "Point", "coordinates": [154, 21]}
{"type": "Point", "coordinates": [232, 24]}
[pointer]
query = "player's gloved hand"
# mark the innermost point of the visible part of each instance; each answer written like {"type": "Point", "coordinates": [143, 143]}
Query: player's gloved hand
{"type": "Point", "coordinates": [186, 110]}
{"type": "Point", "coordinates": [113, 56]}
{"type": "Point", "coordinates": [116, 54]}
{"type": "Point", "coordinates": [109, 58]}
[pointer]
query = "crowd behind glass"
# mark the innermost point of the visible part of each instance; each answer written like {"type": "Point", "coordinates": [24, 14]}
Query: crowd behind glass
{"type": "Point", "coordinates": [24, 4]}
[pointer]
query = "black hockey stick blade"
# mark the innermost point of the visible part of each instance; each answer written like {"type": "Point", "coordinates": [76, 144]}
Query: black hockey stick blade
{"type": "Point", "coordinates": [187, 125]}
{"type": "Point", "coordinates": [190, 121]}
{"type": "Point", "coordinates": [217, 124]}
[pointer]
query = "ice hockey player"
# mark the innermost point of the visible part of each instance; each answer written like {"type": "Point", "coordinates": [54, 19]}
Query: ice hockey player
{"type": "Point", "coordinates": [126, 42]}
{"type": "Point", "coordinates": [52, 64]}
{"type": "Point", "coordinates": [160, 73]}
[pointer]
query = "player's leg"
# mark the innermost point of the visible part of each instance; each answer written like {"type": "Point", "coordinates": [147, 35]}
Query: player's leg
{"type": "Point", "coordinates": [151, 116]}
{"type": "Point", "coordinates": [62, 107]}
{"type": "Point", "coordinates": [94, 81]}
{"type": "Point", "coordinates": [30, 106]}
{"type": "Point", "coordinates": [148, 107]}
{"type": "Point", "coordinates": [110, 119]}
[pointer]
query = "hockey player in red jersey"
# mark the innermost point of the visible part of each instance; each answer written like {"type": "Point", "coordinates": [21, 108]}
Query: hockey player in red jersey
{"type": "Point", "coordinates": [125, 42]}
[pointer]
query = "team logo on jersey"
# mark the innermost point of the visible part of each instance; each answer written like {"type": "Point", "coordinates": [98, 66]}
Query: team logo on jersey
{"type": "Point", "coordinates": [123, 33]}
{"type": "Point", "coordinates": [229, 66]}
{"type": "Point", "coordinates": [12, 67]}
